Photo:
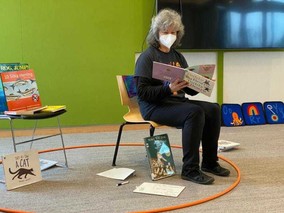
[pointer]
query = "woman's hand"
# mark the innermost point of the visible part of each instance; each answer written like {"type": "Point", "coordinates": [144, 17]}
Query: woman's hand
{"type": "Point", "coordinates": [178, 85]}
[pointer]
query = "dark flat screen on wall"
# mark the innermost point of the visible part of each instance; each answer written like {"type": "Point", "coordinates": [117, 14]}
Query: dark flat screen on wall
{"type": "Point", "coordinates": [230, 24]}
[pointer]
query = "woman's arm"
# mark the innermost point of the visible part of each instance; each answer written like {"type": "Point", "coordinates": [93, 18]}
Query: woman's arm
{"type": "Point", "coordinates": [151, 90]}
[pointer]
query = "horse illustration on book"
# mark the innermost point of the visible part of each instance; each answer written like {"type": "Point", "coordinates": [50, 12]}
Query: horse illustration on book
{"type": "Point", "coordinates": [22, 171]}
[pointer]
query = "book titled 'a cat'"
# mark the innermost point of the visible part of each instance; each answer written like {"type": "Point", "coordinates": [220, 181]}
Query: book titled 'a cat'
{"type": "Point", "coordinates": [21, 169]}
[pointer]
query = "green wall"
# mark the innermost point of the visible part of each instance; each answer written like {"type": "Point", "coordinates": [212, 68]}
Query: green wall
{"type": "Point", "coordinates": [76, 48]}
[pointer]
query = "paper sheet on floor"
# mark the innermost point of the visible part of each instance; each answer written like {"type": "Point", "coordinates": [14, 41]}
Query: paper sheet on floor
{"type": "Point", "coordinates": [117, 173]}
{"type": "Point", "coordinates": [159, 189]}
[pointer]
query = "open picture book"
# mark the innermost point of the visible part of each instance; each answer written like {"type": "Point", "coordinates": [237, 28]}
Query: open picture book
{"type": "Point", "coordinates": [199, 77]}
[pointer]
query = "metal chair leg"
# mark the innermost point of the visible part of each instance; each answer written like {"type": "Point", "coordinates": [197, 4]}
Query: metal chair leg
{"type": "Point", "coordinates": [13, 135]}
{"type": "Point", "coordinates": [62, 141]}
{"type": "Point", "coordinates": [152, 130]}
{"type": "Point", "coordinates": [33, 135]}
{"type": "Point", "coordinates": [117, 143]}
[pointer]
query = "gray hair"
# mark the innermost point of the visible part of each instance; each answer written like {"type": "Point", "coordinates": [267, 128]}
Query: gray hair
{"type": "Point", "coordinates": [164, 19]}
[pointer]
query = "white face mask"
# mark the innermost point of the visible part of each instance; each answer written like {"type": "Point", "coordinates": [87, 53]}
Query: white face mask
{"type": "Point", "coordinates": [168, 40]}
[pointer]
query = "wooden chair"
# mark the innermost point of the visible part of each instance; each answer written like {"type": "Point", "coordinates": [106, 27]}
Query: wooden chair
{"type": "Point", "coordinates": [133, 116]}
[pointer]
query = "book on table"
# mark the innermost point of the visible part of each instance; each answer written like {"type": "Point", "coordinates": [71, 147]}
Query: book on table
{"type": "Point", "coordinates": [32, 111]}
{"type": "Point", "coordinates": [7, 67]}
{"type": "Point", "coordinates": [199, 77]}
{"type": "Point", "coordinates": [160, 156]}
{"type": "Point", "coordinates": [20, 90]}
{"type": "Point", "coordinates": [16, 66]}
{"type": "Point", "coordinates": [53, 108]}
{"type": "Point", "coordinates": [29, 111]}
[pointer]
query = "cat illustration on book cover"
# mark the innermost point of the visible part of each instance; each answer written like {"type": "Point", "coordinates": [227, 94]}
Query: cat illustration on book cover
{"type": "Point", "coordinates": [21, 172]}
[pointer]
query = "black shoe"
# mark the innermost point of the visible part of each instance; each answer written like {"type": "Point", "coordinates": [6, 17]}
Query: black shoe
{"type": "Point", "coordinates": [197, 176]}
{"type": "Point", "coordinates": [216, 170]}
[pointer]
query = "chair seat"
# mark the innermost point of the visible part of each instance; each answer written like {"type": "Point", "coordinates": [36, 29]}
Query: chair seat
{"type": "Point", "coordinates": [137, 118]}
{"type": "Point", "coordinates": [38, 115]}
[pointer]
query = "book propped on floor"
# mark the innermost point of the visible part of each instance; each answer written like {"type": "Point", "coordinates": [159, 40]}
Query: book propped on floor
{"type": "Point", "coordinates": [30, 111]}
{"type": "Point", "coordinates": [160, 156]}
{"type": "Point", "coordinates": [54, 108]}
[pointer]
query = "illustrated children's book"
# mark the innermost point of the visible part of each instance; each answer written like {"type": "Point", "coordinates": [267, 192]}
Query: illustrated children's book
{"type": "Point", "coordinates": [253, 113]}
{"type": "Point", "coordinates": [6, 67]}
{"type": "Point", "coordinates": [21, 90]}
{"type": "Point", "coordinates": [21, 168]}
{"type": "Point", "coordinates": [199, 77]}
{"type": "Point", "coordinates": [3, 102]}
{"type": "Point", "coordinates": [274, 112]}
{"type": "Point", "coordinates": [232, 115]}
{"type": "Point", "coordinates": [160, 156]}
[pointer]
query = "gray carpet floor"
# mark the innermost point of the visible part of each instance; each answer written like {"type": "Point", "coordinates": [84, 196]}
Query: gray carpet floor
{"type": "Point", "coordinates": [260, 158]}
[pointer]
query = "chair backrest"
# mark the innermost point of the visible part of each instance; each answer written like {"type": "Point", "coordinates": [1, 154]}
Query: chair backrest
{"type": "Point", "coordinates": [128, 97]}
{"type": "Point", "coordinates": [127, 91]}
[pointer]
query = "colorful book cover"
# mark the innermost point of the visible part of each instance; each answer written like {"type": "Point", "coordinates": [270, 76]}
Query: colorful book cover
{"type": "Point", "coordinates": [160, 156]}
{"type": "Point", "coordinates": [167, 72]}
{"type": "Point", "coordinates": [21, 90]}
{"type": "Point", "coordinates": [3, 103]}
{"type": "Point", "coordinates": [253, 113]}
{"type": "Point", "coordinates": [274, 111]}
{"type": "Point", "coordinates": [232, 115]}
{"type": "Point", "coordinates": [6, 67]}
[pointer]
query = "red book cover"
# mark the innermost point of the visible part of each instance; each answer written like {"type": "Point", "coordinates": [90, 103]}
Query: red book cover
{"type": "Point", "coordinates": [21, 90]}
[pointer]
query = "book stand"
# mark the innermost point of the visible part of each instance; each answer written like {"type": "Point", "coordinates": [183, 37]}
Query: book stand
{"type": "Point", "coordinates": [36, 117]}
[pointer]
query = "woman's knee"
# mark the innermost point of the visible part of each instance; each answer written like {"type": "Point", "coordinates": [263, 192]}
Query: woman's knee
{"type": "Point", "coordinates": [214, 110]}
{"type": "Point", "coordinates": [196, 113]}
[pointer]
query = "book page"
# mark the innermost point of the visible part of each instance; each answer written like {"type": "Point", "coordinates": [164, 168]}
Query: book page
{"type": "Point", "coordinates": [199, 83]}
{"type": "Point", "coordinates": [117, 173]}
{"type": "Point", "coordinates": [206, 70]}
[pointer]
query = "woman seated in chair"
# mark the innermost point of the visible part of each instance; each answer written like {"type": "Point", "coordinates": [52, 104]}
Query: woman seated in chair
{"type": "Point", "coordinates": [166, 104]}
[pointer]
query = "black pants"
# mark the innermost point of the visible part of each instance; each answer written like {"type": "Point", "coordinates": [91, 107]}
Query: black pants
{"type": "Point", "coordinates": [200, 122]}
